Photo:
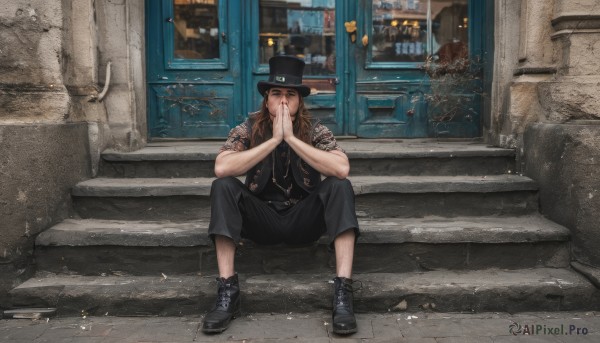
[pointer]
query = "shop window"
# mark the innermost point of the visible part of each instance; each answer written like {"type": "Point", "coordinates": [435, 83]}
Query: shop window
{"type": "Point", "coordinates": [196, 29]}
{"type": "Point", "coordinates": [413, 30]}
{"type": "Point", "coordinates": [302, 28]}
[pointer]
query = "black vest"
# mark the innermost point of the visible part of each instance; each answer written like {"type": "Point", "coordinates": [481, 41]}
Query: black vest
{"type": "Point", "coordinates": [304, 175]}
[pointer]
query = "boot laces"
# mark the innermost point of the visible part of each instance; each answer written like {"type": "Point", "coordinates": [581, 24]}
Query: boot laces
{"type": "Point", "coordinates": [342, 293]}
{"type": "Point", "coordinates": [224, 296]}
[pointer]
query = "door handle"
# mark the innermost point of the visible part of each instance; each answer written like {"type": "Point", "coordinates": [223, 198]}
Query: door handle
{"type": "Point", "coordinates": [224, 37]}
{"type": "Point", "coordinates": [169, 20]}
{"type": "Point", "coordinates": [351, 29]}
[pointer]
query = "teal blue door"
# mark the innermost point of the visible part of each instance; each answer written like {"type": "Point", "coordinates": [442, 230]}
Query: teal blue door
{"type": "Point", "coordinates": [313, 31]}
{"type": "Point", "coordinates": [376, 68]}
{"type": "Point", "coordinates": [193, 69]}
{"type": "Point", "coordinates": [419, 68]}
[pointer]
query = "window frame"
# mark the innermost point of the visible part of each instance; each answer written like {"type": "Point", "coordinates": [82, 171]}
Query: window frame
{"type": "Point", "coordinates": [172, 63]}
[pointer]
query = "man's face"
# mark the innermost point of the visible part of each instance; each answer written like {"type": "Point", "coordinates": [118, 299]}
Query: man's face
{"type": "Point", "coordinates": [287, 96]}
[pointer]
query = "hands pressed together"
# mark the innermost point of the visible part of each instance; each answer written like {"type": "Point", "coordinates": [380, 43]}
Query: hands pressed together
{"type": "Point", "coordinates": [283, 127]}
{"type": "Point", "coordinates": [328, 163]}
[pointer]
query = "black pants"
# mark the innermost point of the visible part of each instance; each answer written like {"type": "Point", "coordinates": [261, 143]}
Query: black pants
{"type": "Point", "coordinates": [237, 213]}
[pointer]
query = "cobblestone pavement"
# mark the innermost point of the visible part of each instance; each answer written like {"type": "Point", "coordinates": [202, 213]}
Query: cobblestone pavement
{"type": "Point", "coordinates": [424, 327]}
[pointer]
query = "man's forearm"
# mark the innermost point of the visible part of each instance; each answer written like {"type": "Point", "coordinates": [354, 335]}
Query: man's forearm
{"type": "Point", "coordinates": [328, 163]}
{"type": "Point", "coordinates": [235, 163]}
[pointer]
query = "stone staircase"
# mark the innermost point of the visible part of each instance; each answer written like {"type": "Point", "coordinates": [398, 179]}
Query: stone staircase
{"type": "Point", "coordinates": [446, 226]}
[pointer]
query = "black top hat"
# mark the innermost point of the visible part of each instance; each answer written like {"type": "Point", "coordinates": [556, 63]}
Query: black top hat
{"type": "Point", "coordinates": [284, 71]}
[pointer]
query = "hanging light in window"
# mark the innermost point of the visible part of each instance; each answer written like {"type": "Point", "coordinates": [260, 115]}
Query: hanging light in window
{"type": "Point", "coordinates": [270, 42]}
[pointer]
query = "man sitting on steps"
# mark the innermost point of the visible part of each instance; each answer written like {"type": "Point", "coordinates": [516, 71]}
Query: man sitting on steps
{"type": "Point", "coordinates": [283, 153]}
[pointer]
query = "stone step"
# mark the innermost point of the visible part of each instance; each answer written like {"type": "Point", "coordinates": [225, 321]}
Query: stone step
{"type": "Point", "coordinates": [376, 196]}
{"type": "Point", "coordinates": [391, 245]}
{"type": "Point", "coordinates": [541, 289]}
{"type": "Point", "coordinates": [368, 157]}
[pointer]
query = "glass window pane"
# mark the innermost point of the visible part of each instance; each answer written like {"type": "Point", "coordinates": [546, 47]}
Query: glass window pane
{"type": "Point", "coordinates": [450, 30]}
{"type": "Point", "coordinates": [399, 32]}
{"type": "Point", "coordinates": [196, 34]}
{"type": "Point", "coordinates": [303, 28]}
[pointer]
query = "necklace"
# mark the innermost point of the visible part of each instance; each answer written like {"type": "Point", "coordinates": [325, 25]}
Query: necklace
{"type": "Point", "coordinates": [288, 191]}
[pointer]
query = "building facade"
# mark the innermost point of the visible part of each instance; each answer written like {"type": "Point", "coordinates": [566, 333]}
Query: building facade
{"type": "Point", "coordinates": [80, 76]}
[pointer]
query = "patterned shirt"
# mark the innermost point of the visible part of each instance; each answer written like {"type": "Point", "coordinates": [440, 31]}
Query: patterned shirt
{"type": "Point", "coordinates": [239, 138]}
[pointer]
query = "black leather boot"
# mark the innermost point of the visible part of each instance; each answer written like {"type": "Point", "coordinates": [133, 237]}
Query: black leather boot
{"type": "Point", "coordinates": [344, 322]}
{"type": "Point", "coordinates": [226, 308]}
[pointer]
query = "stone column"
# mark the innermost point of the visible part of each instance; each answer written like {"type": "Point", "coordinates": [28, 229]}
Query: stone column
{"type": "Point", "coordinates": [31, 83]}
{"type": "Point", "coordinates": [121, 41]}
{"type": "Point", "coordinates": [506, 27]}
{"type": "Point", "coordinates": [574, 94]}
{"type": "Point", "coordinates": [534, 58]}
{"type": "Point", "coordinates": [81, 68]}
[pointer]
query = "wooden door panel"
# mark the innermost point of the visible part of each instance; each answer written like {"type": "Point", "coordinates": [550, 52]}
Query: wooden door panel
{"type": "Point", "coordinates": [193, 68]}
{"type": "Point", "coordinates": [323, 107]}
{"type": "Point", "coordinates": [391, 115]}
{"type": "Point", "coordinates": [192, 110]}
{"type": "Point", "coordinates": [398, 94]}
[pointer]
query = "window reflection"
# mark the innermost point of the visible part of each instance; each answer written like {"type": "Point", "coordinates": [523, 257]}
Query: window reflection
{"type": "Point", "coordinates": [303, 28]}
{"type": "Point", "coordinates": [450, 30]}
{"type": "Point", "coordinates": [400, 30]}
{"type": "Point", "coordinates": [196, 33]}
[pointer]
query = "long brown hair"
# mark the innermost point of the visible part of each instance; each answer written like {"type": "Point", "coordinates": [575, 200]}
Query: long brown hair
{"type": "Point", "coordinates": [262, 129]}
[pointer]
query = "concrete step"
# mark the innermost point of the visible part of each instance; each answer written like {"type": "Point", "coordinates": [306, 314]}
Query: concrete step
{"type": "Point", "coordinates": [391, 245]}
{"type": "Point", "coordinates": [368, 157]}
{"type": "Point", "coordinates": [542, 289]}
{"type": "Point", "coordinates": [376, 196]}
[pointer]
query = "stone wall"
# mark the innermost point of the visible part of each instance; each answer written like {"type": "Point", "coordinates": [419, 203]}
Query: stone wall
{"type": "Point", "coordinates": [574, 92]}
{"type": "Point", "coordinates": [54, 57]}
{"type": "Point", "coordinates": [44, 136]}
{"type": "Point", "coordinates": [560, 112]}
{"type": "Point", "coordinates": [31, 87]}
{"type": "Point", "coordinates": [565, 160]}
{"type": "Point", "coordinates": [39, 165]}
{"type": "Point", "coordinates": [555, 65]}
